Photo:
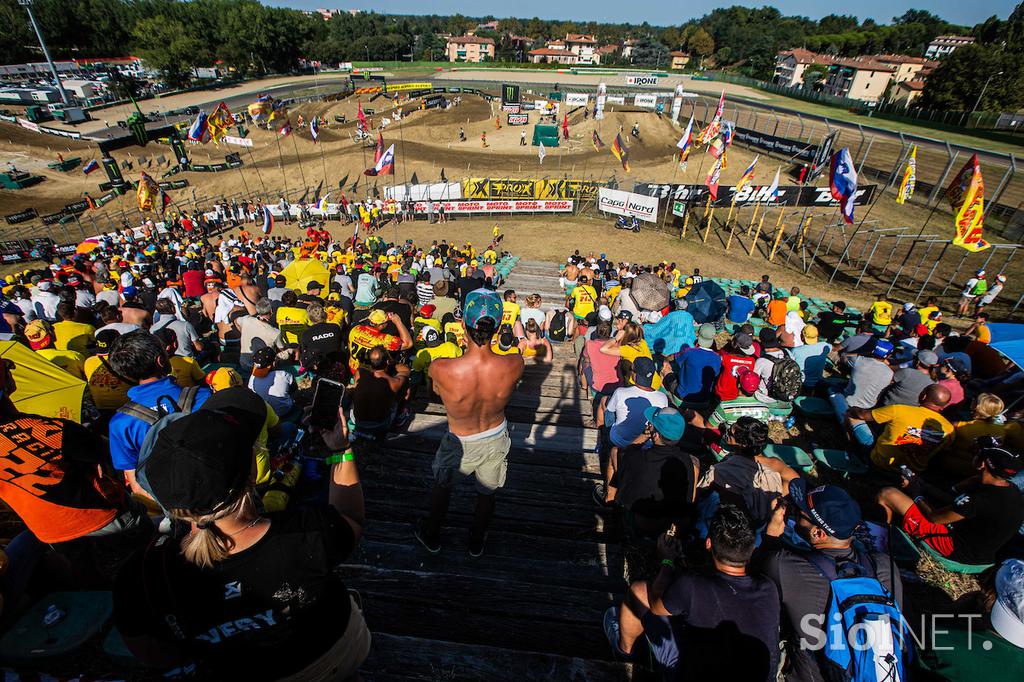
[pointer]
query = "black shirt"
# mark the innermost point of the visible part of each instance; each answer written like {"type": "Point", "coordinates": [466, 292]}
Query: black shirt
{"type": "Point", "coordinates": [324, 337]}
{"type": "Point", "coordinates": [726, 627]}
{"type": "Point", "coordinates": [656, 483]}
{"type": "Point", "coordinates": [831, 325]}
{"type": "Point", "coordinates": [372, 398]}
{"type": "Point", "coordinates": [805, 591]}
{"type": "Point", "coordinates": [262, 613]}
{"type": "Point", "coordinates": [992, 516]}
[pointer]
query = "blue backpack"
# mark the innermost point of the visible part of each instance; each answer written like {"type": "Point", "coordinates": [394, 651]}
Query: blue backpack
{"type": "Point", "coordinates": [873, 643]}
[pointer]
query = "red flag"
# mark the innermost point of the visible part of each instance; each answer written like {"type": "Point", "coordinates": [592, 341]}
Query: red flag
{"type": "Point", "coordinates": [379, 151]}
{"type": "Point", "coordinates": [360, 115]}
{"type": "Point", "coordinates": [565, 126]}
{"type": "Point", "coordinates": [713, 176]}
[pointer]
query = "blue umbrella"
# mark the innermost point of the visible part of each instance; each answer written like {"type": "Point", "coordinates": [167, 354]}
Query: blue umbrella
{"type": "Point", "coordinates": [706, 302]}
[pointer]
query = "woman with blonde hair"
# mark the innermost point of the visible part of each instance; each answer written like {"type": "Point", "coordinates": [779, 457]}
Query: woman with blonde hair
{"type": "Point", "coordinates": [534, 344]}
{"type": "Point", "coordinates": [986, 420]}
{"type": "Point", "coordinates": [245, 594]}
{"type": "Point", "coordinates": [629, 344]}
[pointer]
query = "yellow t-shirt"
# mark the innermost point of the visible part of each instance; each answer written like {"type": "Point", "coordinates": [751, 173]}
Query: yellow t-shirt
{"type": "Point", "coordinates": [456, 333]}
{"type": "Point", "coordinates": [584, 300]}
{"type": "Point", "coordinates": [70, 361]}
{"type": "Point", "coordinates": [490, 256]}
{"type": "Point", "coordinates": [637, 350]}
{"type": "Point", "coordinates": [421, 363]}
{"type": "Point", "coordinates": [76, 336]}
{"type": "Point", "coordinates": [925, 313]}
{"type": "Point", "coordinates": [983, 333]}
{"type": "Point", "coordinates": [186, 371]}
{"type": "Point", "coordinates": [261, 450]}
{"type": "Point", "coordinates": [288, 316]}
{"type": "Point", "coordinates": [509, 313]}
{"type": "Point", "coordinates": [912, 435]}
{"type": "Point", "coordinates": [881, 313]}
{"type": "Point", "coordinates": [107, 390]}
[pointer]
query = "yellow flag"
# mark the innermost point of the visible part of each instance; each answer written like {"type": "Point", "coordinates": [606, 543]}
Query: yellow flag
{"type": "Point", "coordinates": [909, 177]}
{"type": "Point", "coordinates": [966, 194]}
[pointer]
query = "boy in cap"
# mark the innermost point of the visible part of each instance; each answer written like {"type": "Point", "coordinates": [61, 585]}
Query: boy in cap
{"type": "Point", "coordinates": [40, 336]}
{"type": "Point", "coordinates": [475, 389]}
{"type": "Point", "coordinates": [974, 523]}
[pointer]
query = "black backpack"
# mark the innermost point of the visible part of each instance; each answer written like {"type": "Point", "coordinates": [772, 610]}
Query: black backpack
{"type": "Point", "coordinates": [786, 380]}
{"type": "Point", "coordinates": [556, 330]}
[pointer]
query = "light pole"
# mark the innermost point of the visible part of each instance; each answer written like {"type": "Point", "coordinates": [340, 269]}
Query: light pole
{"type": "Point", "coordinates": [983, 89]}
{"type": "Point", "coordinates": [27, 4]}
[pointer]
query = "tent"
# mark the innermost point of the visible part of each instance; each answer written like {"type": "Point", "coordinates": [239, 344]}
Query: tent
{"type": "Point", "coordinates": [546, 134]}
{"type": "Point", "coordinates": [301, 272]}
{"type": "Point", "coordinates": [43, 388]}
{"type": "Point", "coordinates": [1008, 339]}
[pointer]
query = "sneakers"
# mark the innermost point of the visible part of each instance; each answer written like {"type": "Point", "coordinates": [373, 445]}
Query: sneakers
{"type": "Point", "coordinates": [432, 545]}
{"type": "Point", "coordinates": [476, 547]}
{"type": "Point", "coordinates": [612, 631]}
{"type": "Point", "coordinates": [601, 495]}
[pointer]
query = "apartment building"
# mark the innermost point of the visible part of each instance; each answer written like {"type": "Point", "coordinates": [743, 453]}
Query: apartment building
{"type": "Point", "coordinates": [470, 48]}
{"type": "Point", "coordinates": [944, 45]}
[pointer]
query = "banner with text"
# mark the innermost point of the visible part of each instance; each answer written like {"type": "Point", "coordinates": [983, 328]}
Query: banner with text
{"type": "Point", "coordinates": [487, 188]}
{"type": "Point", "coordinates": [788, 195]}
{"type": "Point", "coordinates": [439, 191]}
{"type": "Point", "coordinates": [497, 206]}
{"type": "Point", "coordinates": [628, 204]}
{"type": "Point", "coordinates": [645, 101]}
{"type": "Point", "coordinates": [576, 99]}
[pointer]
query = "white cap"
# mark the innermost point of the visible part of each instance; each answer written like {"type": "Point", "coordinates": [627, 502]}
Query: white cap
{"type": "Point", "coordinates": [653, 316]}
{"type": "Point", "coordinates": [605, 313]}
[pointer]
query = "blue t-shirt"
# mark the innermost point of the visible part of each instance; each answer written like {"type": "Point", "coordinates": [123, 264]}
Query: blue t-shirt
{"type": "Point", "coordinates": [698, 370]}
{"type": "Point", "coordinates": [740, 308]}
{"type": "Point", "coordinates": [127, 432]}
{"type": "Point", "coordinates": [812, 358]}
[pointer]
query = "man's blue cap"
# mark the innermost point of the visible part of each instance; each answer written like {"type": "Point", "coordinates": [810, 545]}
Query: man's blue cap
{"type": "Point", "coordinates": [481, 303]}
{"type": "Point", "coordinates": [128, 292]}
{"type": "Point", "coordinates": [828, 507]}
{"type": "Point", "coordinates": [667, 420]}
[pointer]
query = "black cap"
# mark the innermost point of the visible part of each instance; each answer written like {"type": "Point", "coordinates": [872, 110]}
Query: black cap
{"type": "Point", "coordinates": [104, 339]}
{"type": "Point", "coordinates": [829, 507]}
{"type": "Point", "coordinates": [1000, 461]}
{"type": "Point", "coordinates": [264, 357]}
{"type": "Point", "coordinates": [625, 315]}
{"type": "Point", "coordinates": [314, 285]}
{"type": "Point", "coordinates": [839, 304]}
{"type": "Point", "coordinates": [644, 371]}
{"type": "Point", "coordinates": [202, 461]}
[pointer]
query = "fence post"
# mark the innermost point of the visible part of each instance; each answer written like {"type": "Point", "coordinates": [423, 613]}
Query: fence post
{"type": "Point", "coordinates": [1010, 171]}
{"type": "Point", "coordinates": [865, 157]}
{"type": "Point", "coordinates": [931, 272]}
{"type": "Point", "coordinates": [800, 118]}
{"type": "Point", "coordinates": [868, 261]}
{"type": "Point", "coordinates": [942, 178]}
{"type": "Point", "coordinates": [955, 273]}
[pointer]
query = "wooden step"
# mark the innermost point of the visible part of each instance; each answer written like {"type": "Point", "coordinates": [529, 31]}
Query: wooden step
{"type": "Point", "coordinates": [414, 659]}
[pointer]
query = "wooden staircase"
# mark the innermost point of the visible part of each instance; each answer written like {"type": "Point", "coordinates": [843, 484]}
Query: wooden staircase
{"type": "Point", "coordinates": [530, 608]}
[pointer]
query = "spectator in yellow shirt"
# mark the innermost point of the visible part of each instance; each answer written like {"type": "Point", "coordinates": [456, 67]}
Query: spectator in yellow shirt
{"type": "Point", "coordinates": [583, 299]}
{"type": "Point", "coordinates": [108, 390]}
{"type": "Point", "coordinates": [40, 338]}
{"type": "Point", "coordinates": [184, 369]}
{"type": "Point", "coordinates": [71, 335]}
{"type": "Point", "coordinates": [881, 312]}
{"type": "Point", "coordinates": [911, 434]}
{"type": "Point", "coordinates": [291, 319]}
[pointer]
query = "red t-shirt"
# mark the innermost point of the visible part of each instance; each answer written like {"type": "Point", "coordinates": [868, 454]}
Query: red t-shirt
{"type": "Point", "coordinates": [726, 387]}
{"type": "Point", "coordinates": [193, 281]}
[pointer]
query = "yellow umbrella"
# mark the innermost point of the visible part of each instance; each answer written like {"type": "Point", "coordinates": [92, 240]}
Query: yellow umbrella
{"type": "Point", "coordinates": [88, 246]}
{"type": "Point", "coordinates": [300, 273]}
{"type": "Point", "coordinates": [43, 388]}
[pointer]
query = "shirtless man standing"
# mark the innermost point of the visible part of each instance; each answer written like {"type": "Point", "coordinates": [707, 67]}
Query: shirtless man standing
{"type": "Point", "coordinates": [475, 389]}
{"type": "Point", "coordinates": [247, 292]}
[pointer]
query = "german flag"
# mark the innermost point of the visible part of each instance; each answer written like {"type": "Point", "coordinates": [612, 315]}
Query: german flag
{"type": "Point", "coordinates": [621, 152]}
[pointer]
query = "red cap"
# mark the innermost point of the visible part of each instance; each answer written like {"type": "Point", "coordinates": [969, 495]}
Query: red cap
{"type": "Point", "coordinates": [748, 380]}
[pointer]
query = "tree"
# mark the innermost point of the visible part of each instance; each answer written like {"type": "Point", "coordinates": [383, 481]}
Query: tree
{"type": "Point", "coordinates": [171, 48]}
{"type": "Point", "coordinates": [958, 82]}
{"type": "Point", "coordinates": [701, 44]}
{"type": "Point", "coordinates": [814, 75]}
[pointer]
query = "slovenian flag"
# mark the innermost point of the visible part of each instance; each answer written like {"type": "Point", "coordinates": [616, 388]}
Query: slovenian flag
{"type": "Point", "coordinates": [197, 131]}
{"type": "Point", "coordinates": [842, 181]}
{"type": "Point", "coordinates": [268, 220]}
{"type": "Point", "coordinates": [91, 166]}
{"type": "Point", "coordinates": [314, 129]}
{"type": "Point", "coordinates": [385, 164]}
{"type": "Point", "coordinates": [684, 141]}
{"type": "Point", "coordinates": [747, 177]}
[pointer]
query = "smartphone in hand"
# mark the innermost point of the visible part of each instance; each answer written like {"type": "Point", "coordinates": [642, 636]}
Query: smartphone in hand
{"type": "Point", "coordinates": [327, 399]}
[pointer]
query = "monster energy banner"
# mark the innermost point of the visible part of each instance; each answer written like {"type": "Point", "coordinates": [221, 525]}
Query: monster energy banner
{"type": "Point", "coordinates": [21, 216]}
{"type": "Point", "coordinates": [214, 167]}
{"type": "Point", "coordinates": [173, 184]}
{"type": "Point", "coordinates": [53, 218]}
{"type": "Point", "coordinates": [514, 188]}
{"type": "Point", "coordinates": [77, 207]}
{"type": "Point", "coordinates": [788, 195]}
{"type": "Point", "coordinates": [773, 143]}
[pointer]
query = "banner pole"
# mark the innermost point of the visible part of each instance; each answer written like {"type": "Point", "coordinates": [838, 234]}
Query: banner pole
{"type": "Point", "coordinates": [711, 217]}
{"type": "Point", "coordinates": [757, 233]}
{"type": "Point", "coordinates": [686, 222]}
{"type": "Point", "coordinates": [779, 230]}
{"type": "Point", "coordinates": [730, 224]}
{"type": "Point", "coordinates": [280, 156]}
{"type": "Point", "coordinates": [753, 218]}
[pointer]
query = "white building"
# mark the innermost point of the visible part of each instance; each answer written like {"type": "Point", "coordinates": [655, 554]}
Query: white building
{"type": "Point", "coordinates": [944, 45]}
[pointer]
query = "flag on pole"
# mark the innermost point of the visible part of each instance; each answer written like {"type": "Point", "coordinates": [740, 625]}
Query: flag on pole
{"type": "Point", "coordinates": [379, 149]}
{"type": "Point", "coordinates": [286, 129]}
{"type": "Point", "coordinates": [773, 189]}
{"type": "Point", "coordinates": [541, 153]}
{"type": "Point", "coordinates": [712, 180]}
{"type": "Point", "coordinates": [322, 204]}
{"type": "Point", "coordinates": [842, 181]}
{"type": "Point", "coordinates": [165, 201]}
{"type": "Point", "coordinates": [360, 115]}
{"type": "Point", "coordinates": [91, 166]}
{"type": "Point", "coordinates": [715, 126]}
{"type": "Point", "coordinates": [748, 176]}
{"type": "Point", "coordinates": [385, 165]}
{"type": "Point", "coordinates": [268, 220]}
{"type": "Point", "coordinates": [966, 194]}
{"type": "Point", "coordinates": [621, 152]}
{"type": "Point", "coordinates": [197, 131]}
{"type": "Point", "coordinates": [147, 192]}
{"type": "Point", "coordinates": [565, 126]}
{"type": "Point", "coordinates": [909, 177]}
{"type": "Point", "coordinates": [219, 122]}
{"type": "Point", "coordinates": [595, 140]}
{"type": "Point", "coordinates": [314, 129]}
{"type": "Point", "coordinates": [684, 141]}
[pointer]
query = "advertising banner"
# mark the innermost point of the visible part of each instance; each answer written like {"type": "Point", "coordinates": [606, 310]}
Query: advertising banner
{"type": "Point", "coordinates": [21, 216]}
{"type": "Point", "coordinates": [518, 119]}
{"type": "Point", "coordinates": [577, 99]}
{"type": "Point", "coordinates": [510, 93]}
{"type": "Point", "coordinates": [784, 146]}
{"type": "Point", "coordinates": [788, 195]}
{"type": "Point", "coordinates": [616, 99]}
{"type": "Point", "coordinates": [240, 141]}
{"type": "Point", "coordinates": [628, 204]}
{"type": "Point", "coordinates": [486, 188]}
{"type": "Point", "coordinates": [25, 123]}
{"type": "Point", "coordinates": [496, 206]}
{"type": "Point", "coordinates": [398, 87]}
{"type": "Point", "coordinates": [440, 191]}
{"type": "Point", "coordinates": [567, 189]}
{"type": "Point", "coordinates": [434, 101]}
{"type": "Point", "coordinates": [511, 108]}
{"type": "Point", "coordinates": [645, 101]}
{"type": "Point", "coordinates": [641, 80]}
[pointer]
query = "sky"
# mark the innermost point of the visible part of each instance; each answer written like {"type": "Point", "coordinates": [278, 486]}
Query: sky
{"type": "Point", "coordinates": [662, 13]}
